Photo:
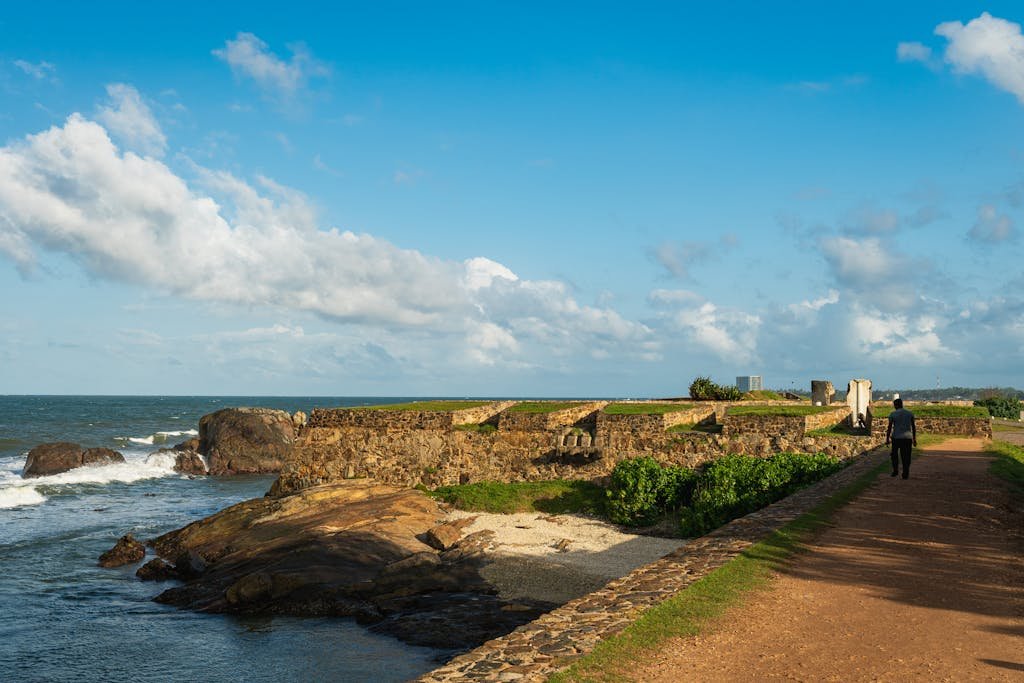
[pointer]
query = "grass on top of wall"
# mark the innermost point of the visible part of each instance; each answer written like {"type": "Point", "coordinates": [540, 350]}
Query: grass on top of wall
{"type": "Point", "coordinates": [763, 395]}
{"type": "Point", "coordinates": [427, 406]}
{"type": "Point", "coordinates": [933, 410]}
{"type": "Point", "coordinates": [646, 408]}
{"type": "Point", "coordinates": [553, 497]}
{"type": "Point", "coordinates": [785, 411]}
{"type": "Point", "coordinates": [541, 407]}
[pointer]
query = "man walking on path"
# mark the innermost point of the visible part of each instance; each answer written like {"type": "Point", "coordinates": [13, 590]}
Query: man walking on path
{"type": "Point", "coordinates": [902, 432]}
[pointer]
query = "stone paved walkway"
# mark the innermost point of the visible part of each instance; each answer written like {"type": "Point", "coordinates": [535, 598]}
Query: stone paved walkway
{"type": "Point", "coordinates": [554, 641]}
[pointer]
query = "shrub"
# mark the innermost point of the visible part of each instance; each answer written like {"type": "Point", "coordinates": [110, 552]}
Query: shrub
{"type": "Point", "coordinates": [703, 389]}
{"type": "Point", "coordinates": [1001, 406]}
{"type": "Point", "coordinates": [734, 485]}
{"type": "Point", "coordinates": [641, 491]}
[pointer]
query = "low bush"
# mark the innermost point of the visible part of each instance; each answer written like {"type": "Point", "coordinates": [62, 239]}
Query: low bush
{"type": "Point", "coordinates": [703, 389]}
{"type": "Point", "coordinates": [641, 491]}
{"type": "Point", "coordinates": [1001, 406]}
{"type": "Point", "coordinates": [735, 485]}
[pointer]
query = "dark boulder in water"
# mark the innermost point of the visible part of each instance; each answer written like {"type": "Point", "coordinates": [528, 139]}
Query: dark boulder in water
{"type": "Point", "coordinates": [54, 458]}
{"type": "Point", "coordinates": [157, 570]}
{"type": "Point", "coordinates": [188, 445]}
{"type": "Point", "coordinates": [246, 440]}
{"type": "Point", "coordinates": [126, 551]}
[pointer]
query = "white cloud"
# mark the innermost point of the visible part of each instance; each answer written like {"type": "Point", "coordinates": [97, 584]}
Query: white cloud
{"type": "Point", "coordinates": [991, 226]}
{"type": "Point", "coordinates": [128, 117]}
{"type": "Point", "coordinates": [249, 56]}
{"type": "Point", "coordinates": [858, 262]}
{"type": "Point", "coordinates": [898, 338]}
{"type": "Point", "coordinates": [913, 52]}
{"type": "Point", "coordinates": [815, 305]}
{"type": "Point", "coordinates": [730, 335]}
{"type": "Point", "coordinates": [678, 258]}
{"type": "Point", "coordinates": [989, 46]}
{"type": "Point", "coordinates": [40, 71]}
{"type": "Point", "coordinates": [217, 238]}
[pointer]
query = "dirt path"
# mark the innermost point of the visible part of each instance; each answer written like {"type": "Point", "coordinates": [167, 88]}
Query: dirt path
{"type": "Point", "coordinates": [918, 579]}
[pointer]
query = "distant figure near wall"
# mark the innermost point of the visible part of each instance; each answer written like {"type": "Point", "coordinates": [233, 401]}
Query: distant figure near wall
{"type": "Point", "coordinates": [822, 392]}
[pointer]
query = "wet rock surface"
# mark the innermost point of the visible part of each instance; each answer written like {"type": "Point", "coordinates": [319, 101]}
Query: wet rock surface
{"type": "Point", "coordinates": [54, 458]}
{"type": "Point", "coordinates": [126, 551]}
{"type": "Point", "coordinates": [347, 549]}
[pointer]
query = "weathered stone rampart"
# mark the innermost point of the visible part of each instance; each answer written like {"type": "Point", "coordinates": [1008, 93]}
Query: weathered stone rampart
{"type": "Point", "coordinates": [405, 419]}
{"type": "Point", "coordinates": [515, 421]}
{"type": "Point", "coordinates": [653, 424]}
{"type": "Point", "coordinates": [980, 427]}
{"type": "Point", "coordinates": [406, 456]}
{"type": "Point", "coordinates": [789, 426]}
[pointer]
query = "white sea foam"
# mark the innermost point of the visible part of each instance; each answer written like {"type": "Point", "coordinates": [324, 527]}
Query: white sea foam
{"type": "Point", "coordinates": [19, 496]}
{"type": "Point", "coordinates": [158, 437]}
{"type": "Point", "coordinates": [183, 432]}
{"type": "Point", "coordinates": [16, 492]}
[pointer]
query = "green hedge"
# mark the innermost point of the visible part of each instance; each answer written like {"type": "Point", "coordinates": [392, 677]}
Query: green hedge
{"type": "Point", "coordinates": [642, 491]}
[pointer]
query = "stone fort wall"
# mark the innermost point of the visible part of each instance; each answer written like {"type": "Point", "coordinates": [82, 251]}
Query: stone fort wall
{"type": "Point", "coordinates": [407, 448]}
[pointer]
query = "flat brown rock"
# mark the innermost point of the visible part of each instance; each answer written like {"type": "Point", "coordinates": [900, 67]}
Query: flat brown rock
{"type": "Point", "coordinates": [917, 579]}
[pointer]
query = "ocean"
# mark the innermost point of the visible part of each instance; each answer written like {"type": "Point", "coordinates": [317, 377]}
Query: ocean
{"type": "Point", "coordinates": [62, 618]}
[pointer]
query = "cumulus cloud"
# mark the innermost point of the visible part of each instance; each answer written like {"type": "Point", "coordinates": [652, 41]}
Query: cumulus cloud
{"type": "Point", "coordinates": [128, 118]}
{"type": "Point", "coordinates": [250, 57]}
{"type": "Point", "coordinates": [215, 237]}
{"type": "Point", "coordinates": [898, 338]}
{"type": "Point", "coordinates": [988, 46]}
{"type": "Point", "coordinates": [991, 226]}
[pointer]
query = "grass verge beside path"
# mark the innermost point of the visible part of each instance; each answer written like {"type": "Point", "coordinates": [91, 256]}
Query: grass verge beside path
{"type": "Point", "coordinates": [1008, 465]}
{"type": "Point", "coordinates": [689, 612]}
{"type": "Point", "coordinates": [788, 411]}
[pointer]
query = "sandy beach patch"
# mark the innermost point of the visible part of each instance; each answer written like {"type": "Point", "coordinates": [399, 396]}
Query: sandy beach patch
{"type": "Point", "coordinates": [560, 557]}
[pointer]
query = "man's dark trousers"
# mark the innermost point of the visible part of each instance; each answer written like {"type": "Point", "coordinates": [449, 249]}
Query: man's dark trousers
{"type": "Point", "coordinates": [901, 451]}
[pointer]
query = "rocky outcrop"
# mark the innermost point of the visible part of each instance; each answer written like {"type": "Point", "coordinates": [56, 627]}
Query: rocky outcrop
{"type": "Point", "coordinates": [61, 456]}
{"type": "Point", "coordinates": [126, 551]}
{"type": "Point", "coordinates": [189, 462]}
{"type": "Point", "coordinates": [345, 549]}
{"type": "Point", "coordinates": [157, 569]}
{"type": "Point", "coordinates": [246, 440]}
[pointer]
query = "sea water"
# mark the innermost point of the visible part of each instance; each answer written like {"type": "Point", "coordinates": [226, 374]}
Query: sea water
{"type": "Point", "coordinates": [63, 618]}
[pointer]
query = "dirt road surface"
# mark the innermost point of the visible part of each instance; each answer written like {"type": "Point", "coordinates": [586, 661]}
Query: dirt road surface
{"type": "Point", "coordinates": [919, 579]}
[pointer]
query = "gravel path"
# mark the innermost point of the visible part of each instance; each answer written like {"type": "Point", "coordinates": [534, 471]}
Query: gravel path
{"type": "Point", "coordinates": [918, 579]}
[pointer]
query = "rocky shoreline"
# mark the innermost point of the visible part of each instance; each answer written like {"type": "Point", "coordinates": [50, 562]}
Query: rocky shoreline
{"type": "Point", "coordinates": [352, 549]}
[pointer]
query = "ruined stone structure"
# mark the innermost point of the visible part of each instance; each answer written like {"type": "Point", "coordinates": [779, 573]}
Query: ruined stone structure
{"type": "Point", "coordinates": [822, 392]}
{"type": "Point", "coordinates": [426, 447]}
{"type": "Point", "coordinates": [858, 397]}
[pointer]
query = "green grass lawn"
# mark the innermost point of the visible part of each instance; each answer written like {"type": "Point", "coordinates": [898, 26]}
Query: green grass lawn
{"type": "Point", "coordinates": [690, 611]}
{"type": "Point", "coordinates": [646, 408]}
{"type": "Point", "coordinates": [541, 407]}
{"type": "Point", "coordinates": [429, 406]}
{"type": "Point", "coordinates": [1009, 464]}
{"type": "Point", "coordinates": [788, 411]}
{"type": "Point", "coordinates": [933, 410]}
{"type": "Point", "coordinates": [552, 497]}
{"type": "Point", "coordinates": [762, 395]}
{"type": "Point", "coordinates": [1004, 427]}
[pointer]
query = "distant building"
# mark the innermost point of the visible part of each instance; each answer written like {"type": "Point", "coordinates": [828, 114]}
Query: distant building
{"type": "Point", "coordinates": [747, 383]}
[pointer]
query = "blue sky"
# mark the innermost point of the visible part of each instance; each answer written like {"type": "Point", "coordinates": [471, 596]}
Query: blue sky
{"type": "Point", "coordinates": [508, 198]}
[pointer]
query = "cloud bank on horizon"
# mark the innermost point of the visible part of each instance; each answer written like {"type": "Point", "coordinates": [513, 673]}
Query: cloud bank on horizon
{"type": "Point", "coordinates": [112, 192]}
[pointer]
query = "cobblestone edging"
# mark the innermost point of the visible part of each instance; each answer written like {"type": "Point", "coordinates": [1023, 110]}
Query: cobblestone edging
{"type": "Point", "coordinates": [554, 641]}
